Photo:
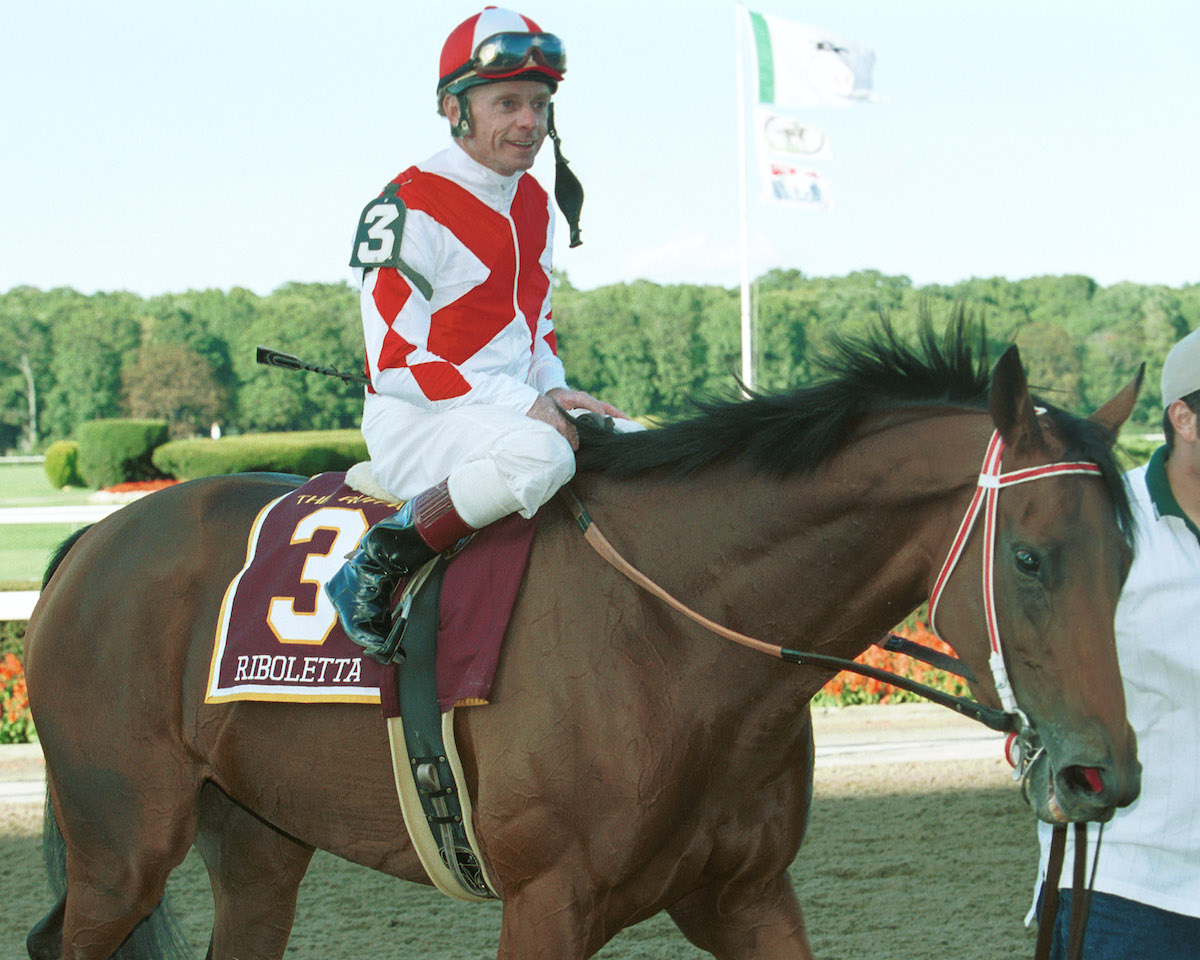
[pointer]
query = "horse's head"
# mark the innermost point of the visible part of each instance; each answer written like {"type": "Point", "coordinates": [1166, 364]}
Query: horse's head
{"type": "Point", "coordinates": [1061, 551]}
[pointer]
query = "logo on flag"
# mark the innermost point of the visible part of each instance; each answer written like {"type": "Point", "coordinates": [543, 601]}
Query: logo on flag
{"type": "Point", "coordinates": [796, 186]}
{"type": "Point", "coordinates": [787, 136]}
{"type": "Point", "coordinates": [803, 66]}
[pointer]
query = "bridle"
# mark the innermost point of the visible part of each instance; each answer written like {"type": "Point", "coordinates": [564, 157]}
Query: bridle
{"type": "Point", "coordinates": [1023, 746]}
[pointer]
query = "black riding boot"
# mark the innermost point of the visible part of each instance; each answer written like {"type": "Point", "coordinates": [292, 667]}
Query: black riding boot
{"type": "Point", "coordinates": [398, 545]}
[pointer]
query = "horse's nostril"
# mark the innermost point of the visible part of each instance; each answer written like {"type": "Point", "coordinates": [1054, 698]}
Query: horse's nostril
{"type": "Point", "coordinates": [1084, 779]}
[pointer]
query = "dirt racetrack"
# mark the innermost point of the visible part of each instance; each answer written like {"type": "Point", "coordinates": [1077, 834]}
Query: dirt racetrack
{"type": "Point", "coordinates": [917, 861]}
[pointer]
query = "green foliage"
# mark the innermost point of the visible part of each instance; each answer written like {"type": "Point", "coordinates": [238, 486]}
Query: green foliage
{"type": "Point", "coordinates": [62, 464]}
{"type": "Point", "coordinates": [12, 636]}
{"type": "Point", "coordinates": [115, 451]}
{"type": "Point", "coordinates": [1134, 449]}
{"type": "Point", "coordinates": [173, 382]}
{"type": "Point", "coordinates": [188, 358]}
{"type": "Point", "coordinates": [306, 453]}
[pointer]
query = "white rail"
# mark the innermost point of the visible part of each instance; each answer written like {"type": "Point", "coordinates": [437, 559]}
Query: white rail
{"type": "Point", "coordinates": [18, 604]}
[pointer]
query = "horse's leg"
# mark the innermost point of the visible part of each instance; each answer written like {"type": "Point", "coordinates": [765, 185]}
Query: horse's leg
{"type": "Point", "coordinates": [761, 922]}
{"type": "Point", "coordinates": [545, 920]}
{"type": "Point", "coordinates": [121, 844]}
{"type": "Point", "coordinates": [749, 909]}
{"type": "Point", "coordinates": [255, 872]}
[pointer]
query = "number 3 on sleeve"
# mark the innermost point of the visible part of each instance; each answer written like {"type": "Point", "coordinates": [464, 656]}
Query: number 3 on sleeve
{"type": "Point", "coordinates": [377, 242]}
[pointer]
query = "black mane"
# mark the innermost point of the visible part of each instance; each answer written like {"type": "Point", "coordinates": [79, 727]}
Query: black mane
{"type": "Point", "coordinates": [794, 432]}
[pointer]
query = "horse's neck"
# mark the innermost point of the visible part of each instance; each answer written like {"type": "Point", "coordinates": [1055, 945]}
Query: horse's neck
{"type": "Point", "coordinates": [828, 560]}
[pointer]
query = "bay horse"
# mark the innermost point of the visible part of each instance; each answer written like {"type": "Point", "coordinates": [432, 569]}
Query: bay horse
{"type": "Point", "coordinates": [631, 761]}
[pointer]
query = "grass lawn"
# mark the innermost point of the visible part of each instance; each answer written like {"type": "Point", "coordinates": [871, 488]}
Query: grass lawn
{"type": "Point", "coordinates": [25, 550]}
{"type": "Point", "coordinates": [26, 485]}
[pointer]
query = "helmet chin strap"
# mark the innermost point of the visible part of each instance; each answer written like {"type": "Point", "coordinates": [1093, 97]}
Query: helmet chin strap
{"type": "Point", "coordinates": [463, 127]}
{"type": "Point", "coordinates": [568, 191]}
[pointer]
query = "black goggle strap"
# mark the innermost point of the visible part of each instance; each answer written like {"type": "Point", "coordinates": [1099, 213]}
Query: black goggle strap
{"type": "Point", "coordinates": [568, 191]}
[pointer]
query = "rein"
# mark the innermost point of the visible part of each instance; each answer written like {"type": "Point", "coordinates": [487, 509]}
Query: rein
{"type": "Point", "coordinates": [1081, 898]}
{"type": "Point", "coordinates": [988, 716]}
{"type": "Point", "coordinates": [1010, 719]}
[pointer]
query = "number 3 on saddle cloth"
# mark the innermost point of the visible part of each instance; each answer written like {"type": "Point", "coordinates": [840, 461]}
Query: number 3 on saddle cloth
{"type": "Point", "coordinates": [278, 636]}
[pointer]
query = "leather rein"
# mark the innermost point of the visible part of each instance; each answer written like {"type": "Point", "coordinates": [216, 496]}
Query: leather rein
{"type": "Point", "coordinates": [1081, 896]}
{"type": "Point", "coordinates": [1010, 719]}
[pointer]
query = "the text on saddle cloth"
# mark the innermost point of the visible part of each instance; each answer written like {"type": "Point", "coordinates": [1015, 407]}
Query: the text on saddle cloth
{"type": "Point", "coordinates": [278, 636]}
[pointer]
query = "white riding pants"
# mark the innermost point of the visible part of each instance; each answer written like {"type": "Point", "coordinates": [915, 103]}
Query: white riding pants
{"type": "Point", "coordinates": [497, 462]}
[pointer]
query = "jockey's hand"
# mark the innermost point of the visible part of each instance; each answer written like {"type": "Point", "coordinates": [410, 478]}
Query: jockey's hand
{"type": "Point", "coordinates": [548, 411]}
{"type": "Point", "coordinates": [549, 407]}
{"type": "Point", "coordinates": [578, 400]}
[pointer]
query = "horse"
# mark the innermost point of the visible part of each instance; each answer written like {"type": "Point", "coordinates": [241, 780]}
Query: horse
{"type": "Point", "coordinates": [630, 761]}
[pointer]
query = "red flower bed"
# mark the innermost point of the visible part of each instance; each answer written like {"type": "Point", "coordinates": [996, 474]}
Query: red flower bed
{"type": "Point", "coordinates": [847, 689]}
{"type": "Point", "coordinates": [16, 726]}
{"type": "Point", "coordinates": [140, 486]}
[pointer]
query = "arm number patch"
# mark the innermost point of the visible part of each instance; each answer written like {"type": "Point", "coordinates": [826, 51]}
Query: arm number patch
{"type": "Point", "coordinates": [377, 242]}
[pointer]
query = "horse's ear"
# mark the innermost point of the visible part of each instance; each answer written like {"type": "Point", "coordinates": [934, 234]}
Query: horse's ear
{"type": "Point", "coordinates": [1113, 414]}
{"type": "Point", "coordinates": [1012, 407]}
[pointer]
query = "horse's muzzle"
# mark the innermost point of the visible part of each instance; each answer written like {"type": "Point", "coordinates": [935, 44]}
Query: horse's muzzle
{"type": "Point", "coordinates": [1080, 792]}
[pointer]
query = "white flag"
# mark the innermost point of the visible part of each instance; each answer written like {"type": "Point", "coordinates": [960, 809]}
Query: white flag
{"type": "Point", "coordinates": [789, 137]}
{"type": "Point", "coordinates": [803, 66]}
{"type": "Point", "coordinates": [796, 186]}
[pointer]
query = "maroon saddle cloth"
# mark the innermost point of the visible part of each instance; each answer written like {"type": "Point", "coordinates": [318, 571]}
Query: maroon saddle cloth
{"type": "Point", "coordinates": [278, 637]}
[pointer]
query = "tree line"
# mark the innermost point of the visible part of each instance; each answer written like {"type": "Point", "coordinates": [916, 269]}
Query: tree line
{"type": "Point", "coordinates": [189, 358]}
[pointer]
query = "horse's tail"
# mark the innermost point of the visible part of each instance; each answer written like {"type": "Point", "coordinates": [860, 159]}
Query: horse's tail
{"type": "Point", "coordinates": [61, 553]}
{"type": "Point", "coordinates": [158, 937]}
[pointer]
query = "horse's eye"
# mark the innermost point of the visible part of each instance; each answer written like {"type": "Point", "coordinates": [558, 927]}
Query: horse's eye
{"type": "Point", "coordinates": [1028, 562]}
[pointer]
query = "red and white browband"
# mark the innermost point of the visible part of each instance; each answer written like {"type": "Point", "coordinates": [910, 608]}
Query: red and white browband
{"type": "Point", "coordinates": [987, 494]}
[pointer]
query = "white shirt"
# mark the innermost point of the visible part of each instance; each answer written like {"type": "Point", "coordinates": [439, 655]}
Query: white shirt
{"type": "Point", "coordinates": [1150, 851]}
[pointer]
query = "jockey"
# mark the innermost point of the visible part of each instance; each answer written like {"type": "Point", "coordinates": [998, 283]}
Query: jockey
{"type": "Point", "coordinates": [464, 416]}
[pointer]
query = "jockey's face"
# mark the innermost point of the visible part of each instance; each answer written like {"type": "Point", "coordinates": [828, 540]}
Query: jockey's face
{"type": "Point", "coordinates": [508, 124]}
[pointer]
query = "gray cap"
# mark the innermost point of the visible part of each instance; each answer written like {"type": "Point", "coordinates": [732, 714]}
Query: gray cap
{"type": "Point", "coordinates": [1181, 369]}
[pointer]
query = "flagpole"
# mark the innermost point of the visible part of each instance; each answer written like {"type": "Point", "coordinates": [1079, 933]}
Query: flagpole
{"type": "Point", "coordinates": [743, 203]}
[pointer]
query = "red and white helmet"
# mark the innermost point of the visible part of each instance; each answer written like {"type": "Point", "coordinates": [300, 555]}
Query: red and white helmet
{"type": "Point", "coordinates": [497, 44]}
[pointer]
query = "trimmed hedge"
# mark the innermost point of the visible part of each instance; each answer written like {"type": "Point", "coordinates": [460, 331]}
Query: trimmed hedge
{"type": "Point", "coordinates": [62, 464]}
{"type": "Point", "coordinates": [116, 451]}
{"type": "Point", "coordinates": [306, 453]}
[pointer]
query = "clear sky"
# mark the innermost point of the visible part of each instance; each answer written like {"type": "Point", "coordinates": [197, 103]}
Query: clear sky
{"type": "Point", "coordinates": [162, 146]}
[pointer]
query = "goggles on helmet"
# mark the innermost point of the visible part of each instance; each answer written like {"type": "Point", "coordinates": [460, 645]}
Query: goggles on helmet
{"type": "Point", "coordinates": [511, 54]}
{"type": "Point", "coordinates": [506, 52]}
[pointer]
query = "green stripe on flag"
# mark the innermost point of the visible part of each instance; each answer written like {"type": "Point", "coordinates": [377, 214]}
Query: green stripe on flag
{"type": "Point", "coordinates": [766, 62]}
